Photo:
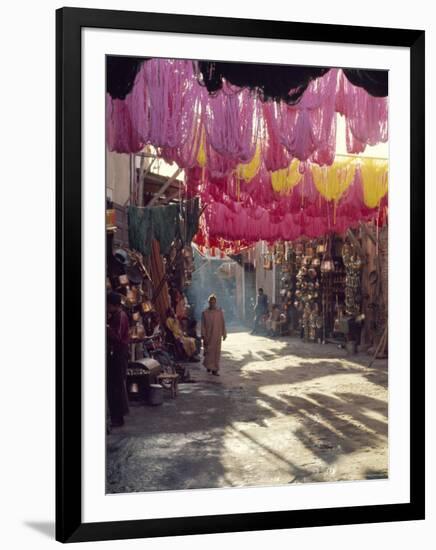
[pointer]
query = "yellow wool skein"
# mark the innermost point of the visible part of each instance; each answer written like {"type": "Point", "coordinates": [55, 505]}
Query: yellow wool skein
{"type": "Point", "coordinates": [333, 181]}
{"type": "Point", "coordinates": [247, 171]}
{"type": "Point", "coordinates": [374, 181]}
{"type": "Point", "coordinates": [285, 180]}
{"type": "Point", "coordinates": [201, 155]}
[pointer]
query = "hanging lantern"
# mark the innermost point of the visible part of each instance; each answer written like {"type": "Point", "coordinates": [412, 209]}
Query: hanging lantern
{"type": "Point", "coordinates": [327, 266]}
{"type": "Point", "coordinates": [321, 248]}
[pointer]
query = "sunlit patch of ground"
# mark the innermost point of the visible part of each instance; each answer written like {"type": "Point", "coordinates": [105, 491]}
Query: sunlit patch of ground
{"type": "Point", "coordinates": [281, 412]}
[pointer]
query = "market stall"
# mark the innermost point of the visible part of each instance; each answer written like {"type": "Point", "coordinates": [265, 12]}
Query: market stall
{"type": "Point", "coordinates": [257, 155]}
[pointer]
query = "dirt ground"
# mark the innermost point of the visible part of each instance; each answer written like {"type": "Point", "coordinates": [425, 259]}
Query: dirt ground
{"type": "Point", "coordinates": [282, 411]}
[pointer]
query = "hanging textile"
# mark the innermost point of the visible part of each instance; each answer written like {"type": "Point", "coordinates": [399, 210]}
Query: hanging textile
{"type": "Point", "coordinates": [168, 89]}
{"type": "Point", "coordinates": [160, 223]}
{"type": "Point", "coordinates": [336, 200]}
{"type": "Point", "coordinates": [140, 229]}
{"type": "Point", "coordinates": [168, 108]}
{"type": "Point", "coordinates": [283, 181]}
{"type": "Point", "coordinates": [366, 116]}
{"type": "Point", "coordinates": [231, 122]}
{"type": "Point", "coordinates": [121, 136]}
{"type": "Point", "coordinates": [164, 224]}
{"type": "Point", "coordinates": [352, 203]}
{"type": "Point", "coordinates": [138, 106]}
{"type": "Point", "coordinates": [375, 181]}
{"type": "Point", "coordinates": [310, 126]}
{"type": "Point", "coordinates": [247, 171]}
{"type": "Point", "coordinates": [303, 211]}
{"type": "Point", "coordinates": [275, 156]}
{"type": "Point", "coordinates": [332, 181]}
{"type": "Point", "coordinates": [267, 164]}
{"type": "Point", "coordinates": [223, 223]}
{"type": "Point", "coordinates": [201, 154]}
{"type": "Point", "coordinates": [190, 217]}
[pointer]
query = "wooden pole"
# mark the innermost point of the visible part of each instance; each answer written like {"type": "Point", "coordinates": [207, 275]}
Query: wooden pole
{"type": "Point", "coordinates": [141, 183]}
{"type": "Point", "coordinates": [380, 345]}
{"type": "Point", "coordinates": [164, 187]}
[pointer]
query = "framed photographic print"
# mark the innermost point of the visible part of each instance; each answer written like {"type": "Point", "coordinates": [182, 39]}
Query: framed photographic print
{"type": "Point", "coordinates": [240, 303]}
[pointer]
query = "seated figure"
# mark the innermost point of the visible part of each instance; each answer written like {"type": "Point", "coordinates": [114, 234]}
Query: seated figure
{"type": "Point", "coordinates": [188, 343]}
{"type": "Point", "coordinates": [191, 328]}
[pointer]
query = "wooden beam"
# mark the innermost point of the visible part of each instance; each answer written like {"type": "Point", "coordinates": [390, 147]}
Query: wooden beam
{"type": "Point", "coordinates": [172, 194]}
{"type": "Point", "coordinates": [153, 187]}
{"type": "Point", "coordinates": [141, 182]}
{"type": "Point", "coordinates": [164, 187]}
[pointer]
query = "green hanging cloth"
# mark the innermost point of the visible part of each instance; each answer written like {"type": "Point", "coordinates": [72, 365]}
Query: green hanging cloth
{"type": "Point", "coordinates": [140, 229]}
{"type": "Point", "coordinates": [192, 210]}
{"type": "Point", "coordinates": [165, 224]}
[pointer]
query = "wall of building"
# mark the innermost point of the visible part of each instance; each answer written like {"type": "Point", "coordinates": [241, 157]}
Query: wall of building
{"type": "Point", "coordinates": [239, 278]}
{"type": "Point", "coordinates": [117, 177]}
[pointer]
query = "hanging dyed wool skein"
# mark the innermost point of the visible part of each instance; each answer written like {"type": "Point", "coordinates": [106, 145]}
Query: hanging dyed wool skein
{"type": "Point", "coordinates": [283, 181]}
{"type": "Point", "coordinates": [374, 180]}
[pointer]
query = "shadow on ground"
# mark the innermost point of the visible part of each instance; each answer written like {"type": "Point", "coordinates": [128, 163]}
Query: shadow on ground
{"type": "Point", "coordinates": [240, 428]}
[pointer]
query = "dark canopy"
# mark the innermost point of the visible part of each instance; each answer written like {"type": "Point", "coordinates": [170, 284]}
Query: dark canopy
{"type": "Point", "coordinates": [271, 81]}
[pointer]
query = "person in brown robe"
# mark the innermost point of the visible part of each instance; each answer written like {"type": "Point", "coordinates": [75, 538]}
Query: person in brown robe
{"type": "Point", "coordinates": [213, 330]}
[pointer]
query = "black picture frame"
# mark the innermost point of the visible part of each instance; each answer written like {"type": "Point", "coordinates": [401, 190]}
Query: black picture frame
{"type": "Point", "coordinates": [69, 23]}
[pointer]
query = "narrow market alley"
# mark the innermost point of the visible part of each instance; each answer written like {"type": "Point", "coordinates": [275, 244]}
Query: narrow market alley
{"type": "Point", "coordinates": [282, 411]}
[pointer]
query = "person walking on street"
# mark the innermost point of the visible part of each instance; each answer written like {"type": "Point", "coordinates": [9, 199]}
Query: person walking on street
{"type": "Point", "coordinates": [260, 309]}
{"type": "Point", "coordinates": [213, 331]}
